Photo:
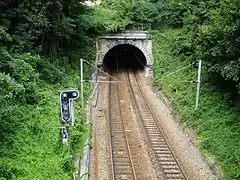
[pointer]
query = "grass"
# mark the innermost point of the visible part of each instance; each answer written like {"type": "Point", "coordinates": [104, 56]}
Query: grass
{"type": "Point", "coordinates": [36, 151]}
{"type": "Point", "coordinates": [216, 124]}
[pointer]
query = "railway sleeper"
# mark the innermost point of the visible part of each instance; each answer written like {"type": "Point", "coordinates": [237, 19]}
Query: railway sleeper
{"type": "Point", "coordinates": [120, 153]}
{"type": "Point", "coordinates": [155, 135]}
{"type": "Point", "coordinates": [167, 163]}
{"type": "Point", "coordinates": [163, 152]}
{"type": "Point", "coordinates": [151, 126]}
{"type": "Point", "coordinates": [118, 136]}
{"type": "Point", "coordinates": [171, 166]}
{"type": "Point", "coordinates": [119, 145]}
{"type": "Point", "coordinates": [173, 176]}
{"type": "Point", "coordinates": [115, 123]}
{"type": "Point", "coordinates": [147, 123]}
{"type": "Point", "coordinates": [119, 149]}
{"type": "Point", "coordinates": [170, 159]}
{"type": "Point", "coordinates": [156, 139]}
{"type": "Point", "coordinates": [122, 163]}
{"type": "Point", "coordinates": [148, 118]}
{"type": "Point", "coordinates": [123, 170]}
{"type": "Point", "coordinates": [160, 141]}
{"type": "Point", "coordinates": [151, 129]}
{"type": "Point", "coordinates": [117, 132]}
{"type": "Point", "coordinates": [124, 177]}
{"type": "Point", "coordinates": [160, 148]}
{"type": "Point", "coordinates": [160, 145]}
{"type": "Point", "coordinates": [172, 171]}
{"type": "Point", "coordinates": [164, 155]}
{"type": "Point", "coordinates": [121, 158]}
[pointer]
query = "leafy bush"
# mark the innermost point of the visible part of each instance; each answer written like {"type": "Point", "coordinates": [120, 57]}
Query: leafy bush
{"type": "Point", "coordinates": [30, 84]}
{"type": "Point", "coordinates": [218, 42]}
{"type": "Point", "coordinates": [114, 16]}
{"type": "Point", "coordinates": [170, 13]}
{"type": "Point", "coordinates": [211, 33]}
{"type": "Point", "coordinates": [104, 19]}
{"type": "Point", "coordinates": [4, 36]}
{"type": "Point", "coordinates": [22, 73]}
{"type": "Point", "coordinates": [10, 90]}
{"type": "Point", "coordinates": [49, 72]}
{"type": "Point", "coordinates": [216, 123]}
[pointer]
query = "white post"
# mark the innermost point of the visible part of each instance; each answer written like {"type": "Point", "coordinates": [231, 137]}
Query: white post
{"type": "Point", "coordinates": [147, 70]}
{"type": "Point", "coordinates": [198, 84]}
{"type": "Point", "coordinates": [72, 112]}
{"type": "Point", "coordinates": [74, 178]}
{"type": "Point", "coordinates": [81, 67]}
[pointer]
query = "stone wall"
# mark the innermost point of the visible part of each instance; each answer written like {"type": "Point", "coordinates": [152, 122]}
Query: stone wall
{"type": "Point", "coordinates": [139, 39]}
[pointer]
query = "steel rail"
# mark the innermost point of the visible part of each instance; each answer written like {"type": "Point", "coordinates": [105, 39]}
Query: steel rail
{"type": "Point", "coordinates": [110, 124]}
{"type": "Point", "coordinates": [171, 169]}
{"type": "Point", "coordinates": [111, 133]}
{"type": "Point", "coordinates": [128, 147]}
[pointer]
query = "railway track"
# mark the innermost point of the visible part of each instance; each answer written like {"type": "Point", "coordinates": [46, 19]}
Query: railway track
{"type": "Point", "coordinates": [121, 160]}
{"type": "Point", "coordinates": [165, 157]}
{"type": "Point", "coordinates": [122, 148]}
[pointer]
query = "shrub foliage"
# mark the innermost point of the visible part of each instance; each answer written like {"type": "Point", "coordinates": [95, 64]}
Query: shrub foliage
{"type": "Point", "coordinates": [211, 34]}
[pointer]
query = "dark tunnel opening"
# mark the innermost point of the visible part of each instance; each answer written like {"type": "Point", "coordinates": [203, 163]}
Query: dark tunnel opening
{"type": "Point", "coordinates": [124, 57]}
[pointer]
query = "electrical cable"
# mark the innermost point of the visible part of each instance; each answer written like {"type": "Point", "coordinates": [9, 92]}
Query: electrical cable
{"type": "Point", "coordinates": [174, 72]}
{"type": "Point", "coordinates": [97, 85]}
{"type": "Point", "coordinates": [100, 70]}
{"type": "Point", "coordinates": [138, 59]}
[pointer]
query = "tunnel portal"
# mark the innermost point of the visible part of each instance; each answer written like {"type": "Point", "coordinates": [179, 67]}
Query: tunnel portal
{"type": "Point", "coordinates": [124, 57]}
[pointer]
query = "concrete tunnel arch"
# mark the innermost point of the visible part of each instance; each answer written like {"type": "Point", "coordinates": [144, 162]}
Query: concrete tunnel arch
{"type": "Point", "coordinates": [124, 56]}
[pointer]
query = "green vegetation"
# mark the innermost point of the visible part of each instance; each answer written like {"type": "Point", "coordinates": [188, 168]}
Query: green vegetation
{"type": "Point", "coordinates": [185, 31]}
{"type": "Point", "coordinates": [113, 16]}
{"type": "Point", "coordinates": [31, 147]}
{"type": "Point", "coordinates": [190, 31]}
{"type": "Point", "coordinates": [210, 33]}
{"type": "Point", "coordinates": [41, 43]}
{"type": "Point", "coordinates": [216, 123]}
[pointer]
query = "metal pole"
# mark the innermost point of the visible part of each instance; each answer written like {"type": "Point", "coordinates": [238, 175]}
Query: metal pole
{"type": "Point", "coordinates": [198, 84]}
{"type": "Point", "coordinates": [72, 112]}
{"type": "Point", "coordinates": [81, 67]}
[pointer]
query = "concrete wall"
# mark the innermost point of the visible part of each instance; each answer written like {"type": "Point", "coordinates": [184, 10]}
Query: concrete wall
{"type": "Point", "coordinates": [139, 39]}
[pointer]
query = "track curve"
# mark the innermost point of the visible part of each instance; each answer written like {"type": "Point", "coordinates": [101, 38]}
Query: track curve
{"type": "Point", "coordinates": [122, 164]}
{"type": "Point", "coordinates": [122, 149]}
{"type": "Point", "coordinates": [166, 159]}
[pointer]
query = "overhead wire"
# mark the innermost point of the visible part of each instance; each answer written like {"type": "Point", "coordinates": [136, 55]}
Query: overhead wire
{"type": "Point", "coordinates": [175, 72]}
{"type": "Point", "coordinates": [100, 70]}
{"type": "Point", "coordinates": [172, 73]}
{"type": "Point", "coordinates": [138, 59]}
{"type": "Point", "coordinates": [96, 87]}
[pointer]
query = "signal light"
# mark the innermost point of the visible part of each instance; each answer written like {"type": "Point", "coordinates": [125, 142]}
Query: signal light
{"type": "Point", "coordinates": [65, 100]}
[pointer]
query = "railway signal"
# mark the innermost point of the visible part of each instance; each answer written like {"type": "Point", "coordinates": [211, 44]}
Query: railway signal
{"type": "Point", "coordinates": [64, 135]}
{"type": "Point", "coordinates": [67, 111]}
